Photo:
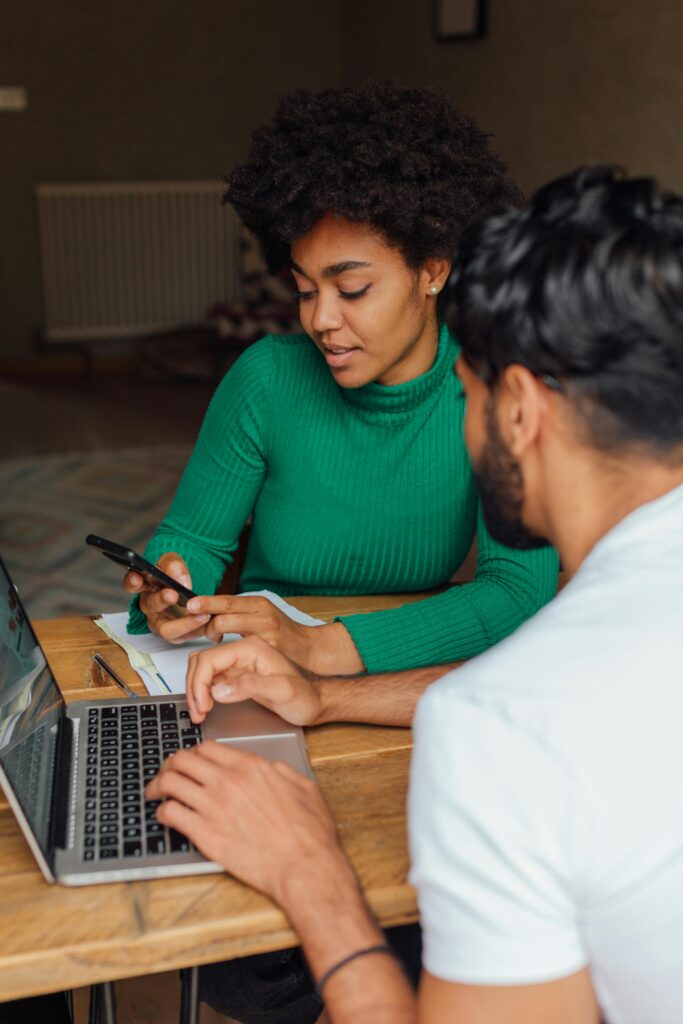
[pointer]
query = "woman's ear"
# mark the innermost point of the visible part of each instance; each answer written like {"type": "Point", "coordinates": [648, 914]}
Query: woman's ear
{"type": "Point", "coordinates": [434, 275]}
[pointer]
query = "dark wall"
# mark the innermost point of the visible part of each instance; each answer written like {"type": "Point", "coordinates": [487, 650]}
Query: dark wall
{"type": "Point", "coordinates": [558, 83]}
{"type": "Point", "coordinates": [148, 89]}
{"type": "Point", "coordinates": [137, 89]}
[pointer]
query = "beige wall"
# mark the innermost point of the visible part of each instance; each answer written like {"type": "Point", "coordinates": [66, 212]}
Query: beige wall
{"type": "Point", "coordinates": [137, 89]}
{"type": "Point", "coordinates": [559, 82]}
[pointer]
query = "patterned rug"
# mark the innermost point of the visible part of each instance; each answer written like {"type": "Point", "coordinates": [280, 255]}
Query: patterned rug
{"type": "Point", "coordinates": [48, 505]}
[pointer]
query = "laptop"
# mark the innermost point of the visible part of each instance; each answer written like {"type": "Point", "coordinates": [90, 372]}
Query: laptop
{"type": "Point", "coordinates": [74, 775]}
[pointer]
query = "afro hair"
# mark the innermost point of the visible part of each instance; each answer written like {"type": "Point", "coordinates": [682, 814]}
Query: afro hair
{"type": "Point", "coordinates": [400, 158]}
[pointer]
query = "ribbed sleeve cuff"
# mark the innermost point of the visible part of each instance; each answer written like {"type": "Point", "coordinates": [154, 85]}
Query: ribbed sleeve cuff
{"type": "Point", "coordinates": [137, 620]}
{"type": "Point", "coordinates": [459, 623]}
{"type": "Point", "coordinates": [416, 635]}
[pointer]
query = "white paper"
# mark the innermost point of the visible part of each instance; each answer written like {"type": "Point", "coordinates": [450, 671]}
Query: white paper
{"type": "Point", "coordinates": [167, 663]}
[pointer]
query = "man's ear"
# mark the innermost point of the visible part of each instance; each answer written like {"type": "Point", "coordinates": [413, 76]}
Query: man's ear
{"type": "Point", "coordinates": [520, 404]}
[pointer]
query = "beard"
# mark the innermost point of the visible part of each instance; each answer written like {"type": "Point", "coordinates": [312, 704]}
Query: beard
{"type": "Point", "coordinates": [500, 482]}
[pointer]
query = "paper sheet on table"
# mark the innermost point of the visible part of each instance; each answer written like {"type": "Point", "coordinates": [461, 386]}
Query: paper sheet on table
{"type": "Point", "coordinates": [163, 666]}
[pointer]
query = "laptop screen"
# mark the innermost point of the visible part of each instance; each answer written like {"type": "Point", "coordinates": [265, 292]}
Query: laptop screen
{"type": "Point", "coordinates": [30, 708]}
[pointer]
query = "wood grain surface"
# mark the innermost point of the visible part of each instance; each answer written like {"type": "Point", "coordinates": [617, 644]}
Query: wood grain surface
{"type": "Point", "coordinates": [53, 937]}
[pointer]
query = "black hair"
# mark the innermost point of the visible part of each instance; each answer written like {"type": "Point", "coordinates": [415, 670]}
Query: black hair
{"type": "Point", "coordinates": [584, 287]}
{"type": "Point", "coordinates": [397, 157]}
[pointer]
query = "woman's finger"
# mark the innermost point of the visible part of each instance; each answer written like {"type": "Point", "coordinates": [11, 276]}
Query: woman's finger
{"type": "Point", "coordinates": [178, 631]}
{"type": "Point", "coordinates": [153, 601]}
{"type": "Point", "coordinates": [173, 565]}
{"type": "Point", "coordinates": [220, 604]}
{"type": "Point", "coordinates": [257, 624]}
{"type": "Point", "coordinates": [133, 583]}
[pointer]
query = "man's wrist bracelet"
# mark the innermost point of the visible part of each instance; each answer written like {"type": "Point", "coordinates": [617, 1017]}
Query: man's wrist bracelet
{"type": "Point", "coordinates": [383, 948]}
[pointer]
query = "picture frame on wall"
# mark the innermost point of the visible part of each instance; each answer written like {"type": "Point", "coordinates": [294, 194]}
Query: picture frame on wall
{"type": "Point", "coordinates": [459, 19]}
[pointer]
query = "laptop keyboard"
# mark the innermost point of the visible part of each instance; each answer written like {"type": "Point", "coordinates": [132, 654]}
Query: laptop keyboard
{"type": "Point", "coordinates": [125, 748]}
{"type": "Point", "coordinates": [24, 766]}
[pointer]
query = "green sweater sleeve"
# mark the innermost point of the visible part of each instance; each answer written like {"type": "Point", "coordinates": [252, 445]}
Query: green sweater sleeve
{"type": "Point", "coordinates": [508, 588]}
{"type": "Point", "coordinates": [222, 480]}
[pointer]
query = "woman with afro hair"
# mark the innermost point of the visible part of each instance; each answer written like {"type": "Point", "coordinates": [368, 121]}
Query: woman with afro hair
{"type": "Point", "coordinates": [345, 443]}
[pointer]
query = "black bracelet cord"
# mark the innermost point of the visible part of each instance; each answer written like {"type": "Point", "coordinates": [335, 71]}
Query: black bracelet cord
{"type": "Point", "coordinates": [383, 948]}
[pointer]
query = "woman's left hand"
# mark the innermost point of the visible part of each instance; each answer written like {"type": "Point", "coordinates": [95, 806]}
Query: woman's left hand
{"type": "Point", "coordinates": [327, 650]}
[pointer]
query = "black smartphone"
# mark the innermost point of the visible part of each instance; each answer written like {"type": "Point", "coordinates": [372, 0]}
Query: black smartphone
{"type": "Point", "coordinates": [132, 562]}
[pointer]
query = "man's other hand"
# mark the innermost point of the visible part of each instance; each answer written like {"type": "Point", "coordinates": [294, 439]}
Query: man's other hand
{"type": "Point", "coordinates": [251, 669]}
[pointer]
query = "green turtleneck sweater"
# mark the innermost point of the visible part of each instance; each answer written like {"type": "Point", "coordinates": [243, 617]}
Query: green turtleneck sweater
{"type": "Point", "coordinates": [351, 492]}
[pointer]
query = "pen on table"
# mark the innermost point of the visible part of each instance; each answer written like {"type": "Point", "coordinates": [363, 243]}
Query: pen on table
{"type": "Point", "coordinates": [163, 682]}
{"type": "Point", "coordinates": [99, 660]}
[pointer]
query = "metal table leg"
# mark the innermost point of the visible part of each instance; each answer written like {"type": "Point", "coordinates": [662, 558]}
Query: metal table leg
{"type": "Point", "coordinates": [102, 1004]}
{"type": "Point", "coordinates": [108, 1003]}
{"type": "Point", "coordinates": [189, 998]}
{"type": "Point", "coordinates": [92, 1005]}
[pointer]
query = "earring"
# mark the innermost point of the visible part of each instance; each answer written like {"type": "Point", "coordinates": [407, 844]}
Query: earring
{"type": "Point", "coordinates": [434, 290]}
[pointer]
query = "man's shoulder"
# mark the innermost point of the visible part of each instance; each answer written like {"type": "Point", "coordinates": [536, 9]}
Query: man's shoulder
{"type": "Point", "coordinates": [548, 645]}
{"type": "Point", "coordinates": [591, 641]}
{"type": "Point", "coordinates": [545, 771]}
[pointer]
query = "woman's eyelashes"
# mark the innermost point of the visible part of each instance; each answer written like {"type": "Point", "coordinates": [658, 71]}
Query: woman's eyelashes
{"type": "Point", "coordinates": [358, 294]}
{"type": "Point", "coordinates": [302, 296]}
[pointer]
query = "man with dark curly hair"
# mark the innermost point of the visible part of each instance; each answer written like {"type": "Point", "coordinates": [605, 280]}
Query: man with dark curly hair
{"type": "Point", "coordinates": [546, 837]}
{"type": "Point", "coordinates": [344, 444]}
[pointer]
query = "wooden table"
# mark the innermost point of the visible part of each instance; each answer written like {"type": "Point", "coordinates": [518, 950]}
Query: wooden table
{"type": "Point", "coordinates": [53, 937]}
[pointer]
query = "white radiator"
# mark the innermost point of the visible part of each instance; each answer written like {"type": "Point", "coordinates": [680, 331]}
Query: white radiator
{"type": "Point", "coordinates": [125, 259]}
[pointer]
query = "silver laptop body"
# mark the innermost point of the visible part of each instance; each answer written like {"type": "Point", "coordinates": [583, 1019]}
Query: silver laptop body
{"type": "Point", "coordinates": [74, 774]}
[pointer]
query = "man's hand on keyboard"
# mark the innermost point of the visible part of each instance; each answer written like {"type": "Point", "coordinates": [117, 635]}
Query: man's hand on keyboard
{"type": "Point", "coordinates": [252, 669]}
{"type": "Point", "coordinates": [262, 820]}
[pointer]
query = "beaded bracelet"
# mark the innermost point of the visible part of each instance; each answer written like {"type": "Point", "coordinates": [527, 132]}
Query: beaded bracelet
{"type": "Point", "coordinates": [383, 948]}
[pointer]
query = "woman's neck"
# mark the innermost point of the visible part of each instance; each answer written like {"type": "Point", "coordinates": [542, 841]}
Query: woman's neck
{"type": "Point", "coordinates": [403, 399]}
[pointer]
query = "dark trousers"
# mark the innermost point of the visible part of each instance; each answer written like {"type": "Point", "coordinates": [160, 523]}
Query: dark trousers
{"type": "Point", "coordinates": [52, 1009]}
{"type": "Point", "coordinates": [277, 988]}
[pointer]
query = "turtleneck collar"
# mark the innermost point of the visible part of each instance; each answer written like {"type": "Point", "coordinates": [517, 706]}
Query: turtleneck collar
{"type": "Point", "coordinates": [394, 399]}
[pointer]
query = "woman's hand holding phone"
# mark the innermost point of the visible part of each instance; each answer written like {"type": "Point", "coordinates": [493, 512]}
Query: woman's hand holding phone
{"type": "Point", "coordinates": [164, 617]}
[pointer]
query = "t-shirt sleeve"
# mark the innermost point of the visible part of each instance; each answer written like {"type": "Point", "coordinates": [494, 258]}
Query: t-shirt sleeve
{"type": "Point", "coordinates": [495, 846]}
{"type": "Point", "coordinates": [508, 588]}
{"type": "Point", "coordinates": [222, 479]}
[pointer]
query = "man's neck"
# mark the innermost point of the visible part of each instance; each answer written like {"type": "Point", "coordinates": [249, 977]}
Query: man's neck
{"type": "Point", "coordinates": [587, 504]}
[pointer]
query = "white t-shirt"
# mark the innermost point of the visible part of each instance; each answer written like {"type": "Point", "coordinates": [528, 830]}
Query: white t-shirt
{"type": "Point", "coordinates": [546, 797]}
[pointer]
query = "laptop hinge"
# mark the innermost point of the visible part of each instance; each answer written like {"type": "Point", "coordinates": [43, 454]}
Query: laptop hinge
{"type": "Point", "coordinates": [61, 789]}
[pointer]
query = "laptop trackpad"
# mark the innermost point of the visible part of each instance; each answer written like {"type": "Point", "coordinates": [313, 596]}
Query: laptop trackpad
{"type": "Point", "coordinates": [275, 748]}
{"type": "Point", "coordinates": [243, 720]}
{"type": "Point", "coordinates": [249, 726]}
